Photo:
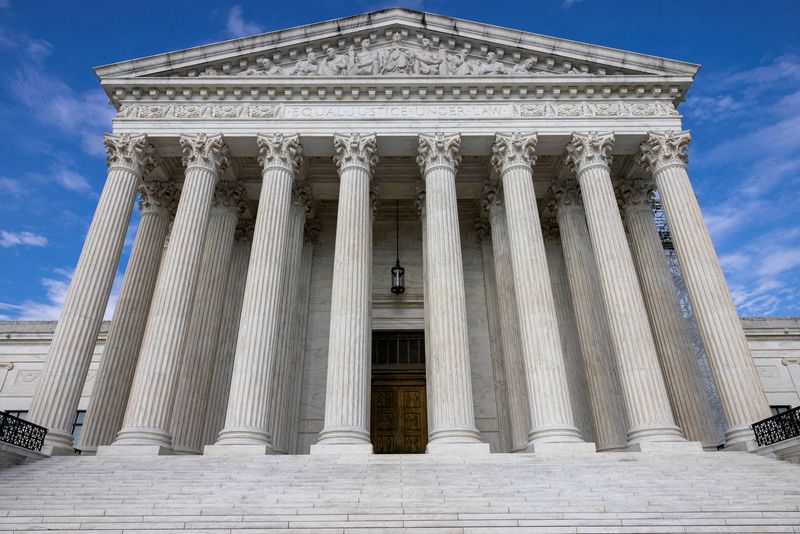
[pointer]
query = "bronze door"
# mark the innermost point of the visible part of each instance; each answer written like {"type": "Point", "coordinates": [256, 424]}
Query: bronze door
{"type": "Point", "coordinates": [399, 419]}
{"type": "Point", "coordinates": [399, 422]}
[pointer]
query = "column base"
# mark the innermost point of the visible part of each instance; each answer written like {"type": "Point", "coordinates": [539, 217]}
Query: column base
{"type": "Point", "coordinates": [658, 433]}
{"type": "Point", "coordinates": [341, 448]}
{"type": "Point", "coordinates": [738, 434]}
{"type": "Point", "coordinates": [132, 451]}
{"type": "Point", "coordinates": [143, 437]}
{"type": "Point", "coordinates": [457, 449]}
{"type": "Point", "coordinates": [58, 443]}
{"type": "Point", "coordinates": [741, 446]}
{"type": "Point", "coordinates": [550, 448]}
{"type": "Point", "coordinates": [555, 434]}
{"type": "Point", "coordinates": [677, 447]}
{"type": "Point", "coordinates": [221, 450]}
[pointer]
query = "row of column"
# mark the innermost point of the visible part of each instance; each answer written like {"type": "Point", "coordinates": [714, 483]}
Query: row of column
{"type": "Point", "coordinates": [166, 410]}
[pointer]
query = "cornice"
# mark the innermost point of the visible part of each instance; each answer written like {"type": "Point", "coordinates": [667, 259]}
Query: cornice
{"type": "Point", "coordinates": [437, 28]}
{"type": "Point", "coordinates": [392, 89]}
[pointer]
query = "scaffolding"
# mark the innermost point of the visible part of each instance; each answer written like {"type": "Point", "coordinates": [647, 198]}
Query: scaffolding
{"type": "Point", "coordinates": [688, 314]}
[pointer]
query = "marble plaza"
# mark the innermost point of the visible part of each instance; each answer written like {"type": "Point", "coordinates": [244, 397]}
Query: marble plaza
{"type": "Point", "coordinates": [512, 176]}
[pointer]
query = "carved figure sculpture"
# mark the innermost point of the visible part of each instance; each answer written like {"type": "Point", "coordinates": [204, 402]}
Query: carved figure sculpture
{"type": "Point", "coordinates": [398, 59]}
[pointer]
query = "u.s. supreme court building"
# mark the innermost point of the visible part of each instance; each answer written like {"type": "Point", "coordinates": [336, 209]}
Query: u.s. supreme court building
{"type": "Point", "coordinates": [399, 233]}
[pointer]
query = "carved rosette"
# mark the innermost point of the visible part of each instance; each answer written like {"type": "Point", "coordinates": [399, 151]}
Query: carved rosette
{"type": "Point", "coordinates": [550, 228]}
{"type": "Point", "coordinates": [438, 150]}
{"type": "Point", "coordinates": [311, 230]}
{"type": "Point", "coordinates": [483, 230]}
{"type": "Point", "coordinates": [303, 196]}
{"type": "Point", "coordinates": [491, 196]}
{"type": "Point", "coordinates": [280, 151]}
{"type": "Point", "coordinates": [513, 150]}
{"type": "Point", "coordinates": [564, 194]}
{"type": "Point", "coordinates": [355, 150]}
{"type": "Point", "coordinates": [206, 151]}
{"type": "Point", "coordinates": [589, 150]}
{"type": "Point", "coordinates": [374, 202]}
{"type": "Point", "coordinates": [131, 152]}
{"type": "Point", "coordinates": [230, 195]}
{"type": "Point", "coordinates": [244, 229]}
{"type": "Point", "coordinates": [419, 198]}
{"type": "Point", "coordinates": [660, 151]}
{"type": "Point", "coordinates": [158, 196]}
{"type": "Point", "coordinates": [637, 194]}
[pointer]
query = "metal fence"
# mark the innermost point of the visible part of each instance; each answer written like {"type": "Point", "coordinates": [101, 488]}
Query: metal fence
{"type": "Point", "coordinates": [777, 428]}
{"type": "Point", "coordinates": [21, 433]}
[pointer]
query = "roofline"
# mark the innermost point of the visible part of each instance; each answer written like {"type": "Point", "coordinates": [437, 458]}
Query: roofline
{"type": "Point", "coordinates": [319, 30]}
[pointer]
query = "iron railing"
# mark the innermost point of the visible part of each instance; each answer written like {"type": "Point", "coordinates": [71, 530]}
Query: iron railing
{"type": "Point", "coordinates": [21, 433]}
{"type": "Point", "coordinates": [777, 428]}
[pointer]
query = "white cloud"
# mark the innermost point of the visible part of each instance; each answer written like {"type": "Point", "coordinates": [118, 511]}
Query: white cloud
{"type": "Point", "coordinates": [237, 26]}
{"type": "Point", "coordinates": [570, 3]}
{"type": "Point", "coordinates": [13, 239]}
{"type": "Point", "coordinates": [49, 309]}
{"type": "Point", "coordinates": [11, 187]}
{"type": "Point", "coordinates": [69, 179]}
{"type": "Point", "coordinates": [54, 103]}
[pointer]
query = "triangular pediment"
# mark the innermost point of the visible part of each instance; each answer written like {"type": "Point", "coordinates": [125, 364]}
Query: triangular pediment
{"type": "Point", "coordinates": [396, 43]}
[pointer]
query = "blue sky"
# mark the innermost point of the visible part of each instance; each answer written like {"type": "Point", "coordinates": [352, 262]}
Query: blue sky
{"type": "Point", "coordinates": [743, 110]}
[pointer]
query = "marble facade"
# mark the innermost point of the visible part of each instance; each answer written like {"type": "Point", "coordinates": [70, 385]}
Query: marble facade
{"type": "Point", "coordinates": [511, 159]}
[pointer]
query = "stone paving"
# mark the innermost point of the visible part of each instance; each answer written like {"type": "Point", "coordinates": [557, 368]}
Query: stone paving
{"type": "Point", "coordinates": [606, 492]}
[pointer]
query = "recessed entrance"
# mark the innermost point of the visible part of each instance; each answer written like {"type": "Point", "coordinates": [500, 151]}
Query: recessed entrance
{"type": "Point", "coordinates": [399, 409]}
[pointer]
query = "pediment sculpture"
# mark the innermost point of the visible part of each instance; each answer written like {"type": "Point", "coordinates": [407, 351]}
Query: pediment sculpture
{"type": "Point", "coordinates": [398, 59]}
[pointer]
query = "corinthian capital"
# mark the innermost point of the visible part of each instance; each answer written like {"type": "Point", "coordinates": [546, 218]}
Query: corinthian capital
{"type": "Point", "coordinates": [157, 196]}
{"type": "Point", "coordinates": [281, 151]}
{"type": "Point", "coordinates": [491, 197]}
{"type": "Point", "coordinates": [660, 151]}
{"type": "Point", "coordinates": [513, 150]}
{"type": "Point", "coordinates": [230, 195]}
{"type": "Point", "coordinates": [355, 150]}
{"type": "Point", "coordinates": [132, 152]}
{"type": "Point", "coordinates": [562, 195]}
{"type": "Point", "coordinates": [593, 149]}
{"type": "Point", "coordinates": [438, 150]}
{"type": "Point", "coordinates": [637, 193]}
{"type": "Point", "coordinates": [207, 151]}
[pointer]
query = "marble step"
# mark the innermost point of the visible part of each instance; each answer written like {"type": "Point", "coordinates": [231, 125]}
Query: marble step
{"type": "Point", "coordinates": [614, 492]}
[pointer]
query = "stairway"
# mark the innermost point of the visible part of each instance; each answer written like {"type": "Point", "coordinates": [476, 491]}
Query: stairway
{"type": "Point", "coordinates": [606, 492]}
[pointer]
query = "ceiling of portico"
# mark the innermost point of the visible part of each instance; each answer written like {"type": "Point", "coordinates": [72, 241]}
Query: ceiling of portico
{"type": "Point", "coordinates": [396, 177]}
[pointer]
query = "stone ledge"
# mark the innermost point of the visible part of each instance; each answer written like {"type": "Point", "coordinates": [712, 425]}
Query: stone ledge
{"type": "Point", "coordinates": [14, 455]}
{"type": "Point", "coordinates": [787, 450]}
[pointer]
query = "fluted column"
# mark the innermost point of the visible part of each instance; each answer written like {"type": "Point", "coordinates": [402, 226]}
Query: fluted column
{"type": "Point", "coordinates": [199, 352]}
{"type": "Point", "coordinates": [347, 390]}
{"type": "Point", "coordinates": [573, 358]}
{"type": "Point", "coordinates": [157, 201]}
{"type": "Point", "coordinates": [519, 418]}
{"type": "Point", "coordinates": [146, 424]}
{"type": "Point", "coordinates": [310, 236]}
{"type": "Point", "coordinates": [450, 383]}
{"type": "Point", "coordinates": [278, 407]}
{"type": "Point", "coordinates": [419, 201]}
{"type": "Point", "coordinates": [228, 332]}
{"type": "Point", "coordinates": [483, 232]}
{"type": "Point", "coordinates": [246, 424]}
{"type": "Point", "coordinates": [607, 403]}
{"type": "Point", "coordinates": [740, 390]}
{"type": "Point", "coordinates": [690, 404]}
{"type": "Point", "coordinates": [58, 391]}
{"type": "Point", "coordinates": [646, 399]}
{"type": "Point", "coordinates": [543, 358]}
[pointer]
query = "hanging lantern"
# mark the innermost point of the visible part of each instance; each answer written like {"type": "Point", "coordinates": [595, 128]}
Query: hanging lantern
{"type": "Point", "coordinates": [398, 273]}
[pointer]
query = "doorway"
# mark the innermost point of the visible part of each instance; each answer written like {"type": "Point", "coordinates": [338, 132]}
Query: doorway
{"type": "Point", "coordinates": [399, 416]}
